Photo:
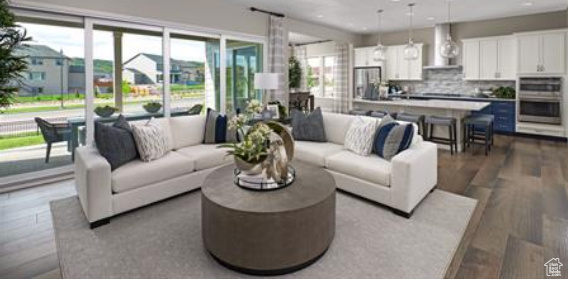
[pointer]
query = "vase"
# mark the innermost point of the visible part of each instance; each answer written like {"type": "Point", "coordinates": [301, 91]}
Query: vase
{"type": "Point", "coordinates": [247, 168]}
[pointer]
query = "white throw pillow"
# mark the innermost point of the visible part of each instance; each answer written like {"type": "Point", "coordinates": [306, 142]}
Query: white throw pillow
{"type": "Point", "coordinates": [359, 137]}
{"type": "Point", "coordinates": [151, 140]}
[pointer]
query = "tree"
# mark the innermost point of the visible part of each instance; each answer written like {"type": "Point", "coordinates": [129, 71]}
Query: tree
{"type": "Point", "coordinates": [126, 89]}
{"type": "Point", "coordinates": [294, 73]}
{"type": "Point", "coordinates": [12, 66]}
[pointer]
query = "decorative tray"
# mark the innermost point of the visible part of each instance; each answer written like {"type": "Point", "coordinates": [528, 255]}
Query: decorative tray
{"type": "Point", "coordinates": [261, 183]}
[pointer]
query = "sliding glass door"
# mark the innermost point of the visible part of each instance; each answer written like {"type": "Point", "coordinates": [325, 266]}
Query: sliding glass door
{"type": "Point", "coordinates": [244, 59]}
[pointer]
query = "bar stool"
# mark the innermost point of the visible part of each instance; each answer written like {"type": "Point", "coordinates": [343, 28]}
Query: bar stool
{"type": "Point", "coordinates": [449, 122]}
{"type": "Point", "coordinates": [379, 114]}
{"type": "Point", "coordinates": [479, 128]}
{"type": "Point", "coordinates": [414, 118]}
{"type": "Point", "coordinates": [360, 112]}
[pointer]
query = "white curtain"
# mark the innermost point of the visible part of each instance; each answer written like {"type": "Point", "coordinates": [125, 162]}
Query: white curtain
{"type": "Point", "coordinates": [278, 57]}
{"type": "Point", "coordinates": [212, 55]}
{"type": "Point", "coordinates": [341, 79]}
{"type": "Point", "coordinates": [301, 53]}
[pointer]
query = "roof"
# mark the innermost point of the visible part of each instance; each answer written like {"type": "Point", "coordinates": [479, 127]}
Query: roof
{"type": "Point", "coordinates": [160, 59]}
{"type": "Point", "coordinates": [39, 51]}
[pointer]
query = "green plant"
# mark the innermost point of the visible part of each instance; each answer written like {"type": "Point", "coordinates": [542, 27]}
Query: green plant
{"type": "Point", "coordinates": [152, 107]}
{"type": "Point", "coordinates": [126, 89]}
{"type": "Point", "coordinates": [294, 73]}
{"type": "Point", "coordinates": [505, 93]}
{"type": "Point", "coordinates": [105, 111]}
{"type": "Point", "coordinates": [312, 81]}
{"type": "Point", "coordinates": [12, 66]}
{"type": "Point", "coordinates": [253, 148]}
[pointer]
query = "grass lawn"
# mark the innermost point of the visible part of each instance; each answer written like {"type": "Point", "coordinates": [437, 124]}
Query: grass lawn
{"type": "Point", "coordinates": [8, 143]}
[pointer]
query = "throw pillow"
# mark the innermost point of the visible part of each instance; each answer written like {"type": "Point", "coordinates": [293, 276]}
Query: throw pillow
{"type": "Point", "coordinates": [151, 140]}
{"type": "Point", "coordinates": [116, 143]}
{"type": "Point", "coordinates": [359, 137]}
{"type": "Point", "coordinates": [308, 127]}
{"type": "Point", "coordinates": [217, 130]}
{"type": "Point", "coordinates": [392, 138]}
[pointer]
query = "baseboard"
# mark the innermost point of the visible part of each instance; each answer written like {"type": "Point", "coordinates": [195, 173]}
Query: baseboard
{"type": "Point", "coordinates": [17, 182]}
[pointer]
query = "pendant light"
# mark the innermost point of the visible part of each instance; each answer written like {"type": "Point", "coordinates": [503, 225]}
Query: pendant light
{"type": "Point", "coordinates": [380, 52]}
{"type": "Point", "coordinates": [411, 51]}
{"type": "Point", "coordinates": [449, 49]}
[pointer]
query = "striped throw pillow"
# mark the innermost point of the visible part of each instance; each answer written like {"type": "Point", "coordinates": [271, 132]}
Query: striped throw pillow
{"type": "Point", "coordinates": [216, 128]}
{"type": "Point", "coordinates": [392, 138]}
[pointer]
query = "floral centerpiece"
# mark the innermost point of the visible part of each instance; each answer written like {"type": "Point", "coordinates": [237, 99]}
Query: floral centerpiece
{"type": "Point", "coordinates": [265, 148]}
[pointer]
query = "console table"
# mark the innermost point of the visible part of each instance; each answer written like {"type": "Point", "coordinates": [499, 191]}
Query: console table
{"type": "Point", "coordinates": [272, 232]}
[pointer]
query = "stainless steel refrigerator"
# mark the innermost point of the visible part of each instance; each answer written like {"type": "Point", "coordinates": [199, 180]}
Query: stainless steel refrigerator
{"type": "Point", "coordinates": [367, 81]}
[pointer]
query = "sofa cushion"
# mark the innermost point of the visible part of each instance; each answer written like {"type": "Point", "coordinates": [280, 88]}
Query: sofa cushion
{"type": "Point", "coordinates": [369, 168]}
{"type": "Point", "coordinates": [137, 173]}
{"type": "Point", "coordinates": [315, 153]}
{"type": "Point", "coordinates": [152, 140]}
{"type": "Point", "coordinates": [116, 143]}
{"type": "Point", "coordinates": [206, 156]}
{"type": "Point", "coordinates": [359, 137]}
{"type": "Point", "coordinates": [336, 126]}
{"type": "Point", "coordinates": [187, 130]}
{"type": "Point", "coordinates": [392, 138]}
{"type": "Point", "coordinates": [308, 127]}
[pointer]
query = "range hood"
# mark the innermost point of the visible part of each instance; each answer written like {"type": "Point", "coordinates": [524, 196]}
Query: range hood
{"type": "Point", "coordinates": [441, 33]}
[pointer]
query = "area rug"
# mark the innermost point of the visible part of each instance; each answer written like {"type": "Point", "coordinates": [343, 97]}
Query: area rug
{"type": "Point", "coordinates": [164, 241]}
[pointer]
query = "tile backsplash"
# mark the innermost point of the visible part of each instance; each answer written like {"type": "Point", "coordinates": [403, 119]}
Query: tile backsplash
{"type": "Point", "coordinates": [449, 81]}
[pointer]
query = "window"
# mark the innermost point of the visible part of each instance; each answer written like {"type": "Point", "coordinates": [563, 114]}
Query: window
{"type": "Point", "coordinates": [36, 61]}
{"type": "Point", "coordinates": [59, 62]}
{"type": "Point", "coordinates": [37, 76]}
{"type": "Point", "coordinates": [320, 75]}
{"type": "Point", "coordinates": [37, 90]}
{"type": "Point", "coordinates": [159, 78]}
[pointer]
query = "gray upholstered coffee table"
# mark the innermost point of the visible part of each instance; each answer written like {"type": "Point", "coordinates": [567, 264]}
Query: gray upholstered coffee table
{"type": "Point", "coordinates": [272, 232]}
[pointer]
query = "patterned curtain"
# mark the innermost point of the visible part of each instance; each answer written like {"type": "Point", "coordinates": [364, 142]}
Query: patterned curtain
{"type": "Point", "coordinates": [301, 53]}
{"type": "Point", "coordinates": [278, 57]}
{"type": "Point", "coordinates": [341, 79]}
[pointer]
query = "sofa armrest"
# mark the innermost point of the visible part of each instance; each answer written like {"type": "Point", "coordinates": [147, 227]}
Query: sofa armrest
{"type": "Point", "coordinates": [414, 175]}
{"type": "Point", "coordinates": [93, 182]}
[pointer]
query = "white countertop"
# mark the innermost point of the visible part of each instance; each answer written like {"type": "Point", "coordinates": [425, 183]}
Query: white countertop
{"type": "Point", "coordinates": [434, 104]}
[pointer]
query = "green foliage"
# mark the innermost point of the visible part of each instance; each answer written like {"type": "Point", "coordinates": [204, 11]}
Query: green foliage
{"type": "Point", "coordinates": [312, 81]}
{"type": "Point", "coordinates": [12, 67]}
{"type": "Point", "coordinates": [126, 89]}
{"type": "Point", "coordinates": [104, 66]}
{"type": "Point", "coordinates": [20, 141]}
{"type": "Point", "coordinates": [505, 93]}
{"type": "Point", "coordinates": [294, 73]}
{"type": "Point", "coordinates": [152, 107]}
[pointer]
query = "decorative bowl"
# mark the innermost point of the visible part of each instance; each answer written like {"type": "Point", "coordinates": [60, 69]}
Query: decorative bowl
{"type": "Point", "coordinates": [105, 111]}
{"type": "Point", "coordinates": [152, 107]}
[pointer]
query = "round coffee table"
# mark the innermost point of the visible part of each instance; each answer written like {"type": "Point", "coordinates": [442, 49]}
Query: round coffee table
{"type": "Point", "coordinates": [268, 233]}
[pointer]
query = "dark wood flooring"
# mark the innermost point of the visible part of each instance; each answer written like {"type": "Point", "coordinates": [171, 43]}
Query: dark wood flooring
{"type": "Point", "coordinates": [520, 222]}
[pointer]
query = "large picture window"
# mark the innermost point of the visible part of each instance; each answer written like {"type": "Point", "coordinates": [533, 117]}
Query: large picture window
{"type": "Point", "coordinates": [320, 76]}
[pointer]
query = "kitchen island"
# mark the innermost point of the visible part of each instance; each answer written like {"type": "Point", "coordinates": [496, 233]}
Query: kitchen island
{"type": "Point", "coordinates": [443, 108]}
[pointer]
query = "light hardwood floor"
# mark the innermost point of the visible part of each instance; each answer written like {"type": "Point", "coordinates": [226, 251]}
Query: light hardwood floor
{"type": "Point", "coordinates": [521, 220]}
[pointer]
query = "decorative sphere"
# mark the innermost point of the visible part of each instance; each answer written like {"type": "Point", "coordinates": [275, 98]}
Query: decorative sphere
{"type": "Point", "coordinates": [380, 53]}
{"type": "Point", "coordinates": [411, 52]}
{"type": "Point", "coordinates": [449, 49]}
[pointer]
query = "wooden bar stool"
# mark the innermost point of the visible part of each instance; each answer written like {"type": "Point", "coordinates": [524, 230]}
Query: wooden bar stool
{"type": "Point", "coordinates": [479, 130]}
{"type": "Point", "coordinates": [452, 141]}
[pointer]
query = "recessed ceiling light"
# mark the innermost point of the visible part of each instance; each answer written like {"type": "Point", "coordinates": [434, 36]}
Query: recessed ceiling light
{"type": "Point", "coordinates": [395, 0]}
{"type": "Point", "coordinates": [431, 18]}
{"type": "Point", "coordinates": [410, 14]}
{"type": "Point", "coordinates": [365, 28]}
{"type": "Point", "coordinates": [320, 16]}
{"type": "Point", "coordinates": [528, 4]}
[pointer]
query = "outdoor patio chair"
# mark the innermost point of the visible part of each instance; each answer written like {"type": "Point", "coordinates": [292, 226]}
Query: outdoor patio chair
{"type": "Point", "coordinates": [53, 133]}
{"type": "Point", "coordinates": [195, 110]}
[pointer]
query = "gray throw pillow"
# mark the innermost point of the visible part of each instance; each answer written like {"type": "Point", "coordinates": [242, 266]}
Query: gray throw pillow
{"type": "Point", "coordinates": [308, 127]}
{"type": "Point", "coordinates": [116, 143]}
{"type": "Point", "coordinates": [151, 140]}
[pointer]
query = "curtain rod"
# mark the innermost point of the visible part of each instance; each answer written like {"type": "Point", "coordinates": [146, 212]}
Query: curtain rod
{"type": "Point", "coordinates": [267, 12]}
{"type": "Point", "coordinates": [311, 43]}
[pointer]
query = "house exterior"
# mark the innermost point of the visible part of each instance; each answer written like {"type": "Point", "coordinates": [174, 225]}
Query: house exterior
{"type": "Point", "coordinates": [48, 71]}
{"type": "Point", "coordinates": [77, 80]}
{"type": "Point", "coordinates": [145, 69]}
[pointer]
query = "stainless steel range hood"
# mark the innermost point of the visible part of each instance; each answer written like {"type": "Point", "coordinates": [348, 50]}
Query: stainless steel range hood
{"type": "Point", "coordinates": [441, 33]}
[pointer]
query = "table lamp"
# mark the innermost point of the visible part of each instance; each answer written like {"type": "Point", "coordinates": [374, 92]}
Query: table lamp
{"type": "Point", "coordinates": [266, 81]}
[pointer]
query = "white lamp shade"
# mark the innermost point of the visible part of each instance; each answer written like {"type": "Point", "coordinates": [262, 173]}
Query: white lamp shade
{"type": "Point", "coordinates": [266, 81]}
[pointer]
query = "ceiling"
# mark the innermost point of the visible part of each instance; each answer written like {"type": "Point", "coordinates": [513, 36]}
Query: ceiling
{"type": "Point", "coordinates": [297, 38]}
{"type": "Point", "coordinates": [359, 16]}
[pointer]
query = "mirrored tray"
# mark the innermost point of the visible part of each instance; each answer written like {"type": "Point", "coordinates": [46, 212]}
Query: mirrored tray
{"type": "Point", "coordinates": [260, 183]}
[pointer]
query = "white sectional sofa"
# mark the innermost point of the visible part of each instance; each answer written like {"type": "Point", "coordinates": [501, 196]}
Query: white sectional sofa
{"type": "Point", "coordinates": [400, 184]}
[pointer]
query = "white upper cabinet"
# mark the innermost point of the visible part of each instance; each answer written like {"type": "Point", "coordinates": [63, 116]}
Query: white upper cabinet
{"type": "Point", "coordinates": [392, 63]}
{"type": "Point", "coordinates": [400, 69]}
{"type": "Point", "coordinates": [542, 53]}
{"type": "Point", "coordinates": [490, 58]}
{"type": "Point", "coordinates": [364, 57]}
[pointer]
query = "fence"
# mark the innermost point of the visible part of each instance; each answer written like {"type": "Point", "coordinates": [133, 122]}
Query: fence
{"type": "Point", "coordinates": [24, 127]}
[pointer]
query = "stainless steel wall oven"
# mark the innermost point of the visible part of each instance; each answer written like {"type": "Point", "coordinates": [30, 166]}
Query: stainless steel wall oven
{"type": "Point", "coordinates": [540, 100]}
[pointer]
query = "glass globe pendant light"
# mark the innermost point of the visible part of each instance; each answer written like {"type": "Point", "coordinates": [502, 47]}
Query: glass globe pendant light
{"type": "Point", "coordinates": [449, 48]}
{"type": "Point", "coordinates": [411, 51]}
{"type": "Point", "coordinates": [380, 52]}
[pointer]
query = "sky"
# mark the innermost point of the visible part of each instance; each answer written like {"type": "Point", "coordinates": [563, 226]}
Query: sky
{"type": "Point", "coordinates": [71, 41]}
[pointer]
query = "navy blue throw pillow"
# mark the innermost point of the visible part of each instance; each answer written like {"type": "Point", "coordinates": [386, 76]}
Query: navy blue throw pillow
{"type": "Point", "coordinates": [392, 138]}
{"type": "Point", "coordinates": [216, 128]}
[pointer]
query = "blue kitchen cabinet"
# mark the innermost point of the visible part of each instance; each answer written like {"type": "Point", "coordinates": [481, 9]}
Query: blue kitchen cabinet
{"type": "Point", "coordinates": [505, 116]}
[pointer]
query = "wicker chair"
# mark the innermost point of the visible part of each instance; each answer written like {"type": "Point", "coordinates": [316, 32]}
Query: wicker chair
{"type": "Point", "coordinates": [53, 133]}
{"type": "Point", "coordinates": [195, 110]}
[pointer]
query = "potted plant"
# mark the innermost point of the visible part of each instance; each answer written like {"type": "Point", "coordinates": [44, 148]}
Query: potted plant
{"type": "Point", "coordinates": [13, 66]}
{"type": "Point", "coordinates": [294, 74]}
{"type": "Point", "coordinates": [105, 111]}
{"type": "Point", "coordinates": [152, 107]}
{"type": "Point", "coordinates": [253, 148]}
